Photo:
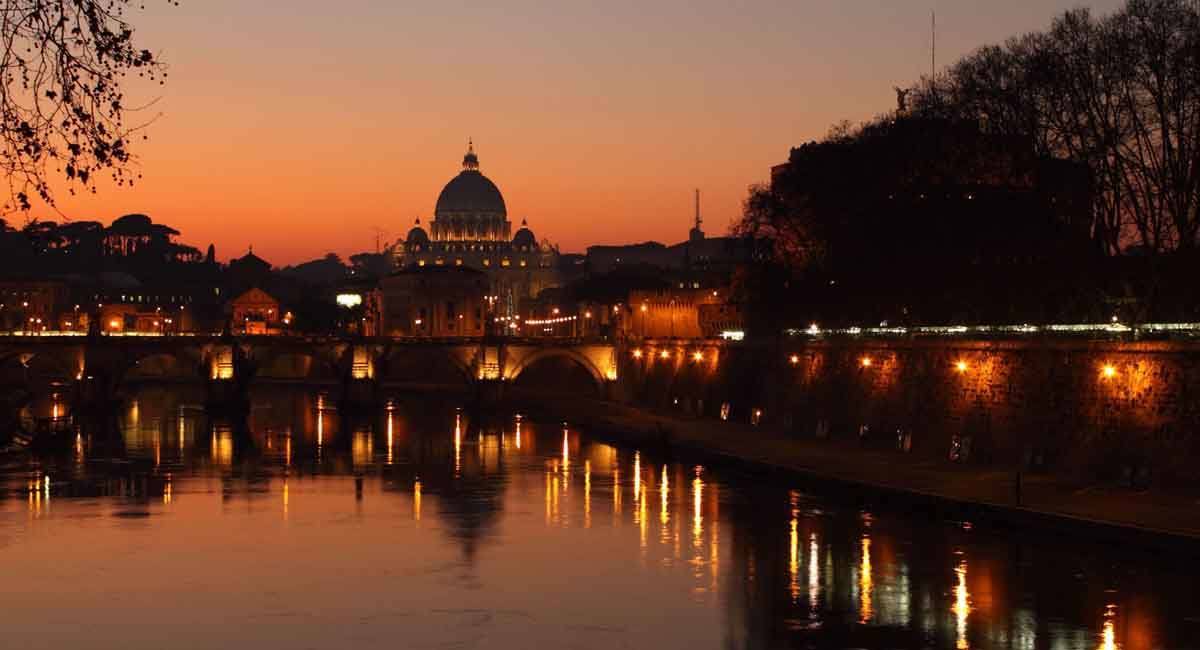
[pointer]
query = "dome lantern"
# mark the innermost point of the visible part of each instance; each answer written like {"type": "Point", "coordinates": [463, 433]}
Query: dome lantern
{"type": "Point", "coordinates": [470, 161]}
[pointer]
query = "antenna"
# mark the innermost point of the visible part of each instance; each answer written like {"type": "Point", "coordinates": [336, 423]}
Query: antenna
{"type": "Point", "coordinates": [379, 233]}
{"type": "Point", "coordinates": [933, 47]}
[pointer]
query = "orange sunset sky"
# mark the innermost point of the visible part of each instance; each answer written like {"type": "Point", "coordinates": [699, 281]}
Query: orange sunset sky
{"type": "Point", "coordinates": [299, 127]}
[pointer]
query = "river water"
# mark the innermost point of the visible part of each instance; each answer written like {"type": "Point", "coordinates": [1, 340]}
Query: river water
{"type": "Point", "coordinates": [423, 527]}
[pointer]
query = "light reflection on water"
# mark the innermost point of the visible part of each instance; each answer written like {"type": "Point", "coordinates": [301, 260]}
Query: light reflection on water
{"type": "Point", "coordinates": [498, 530]}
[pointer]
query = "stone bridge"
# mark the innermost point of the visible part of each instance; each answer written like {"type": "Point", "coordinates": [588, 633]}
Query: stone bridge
{"type": "Point", "coordinates": [115, 361]}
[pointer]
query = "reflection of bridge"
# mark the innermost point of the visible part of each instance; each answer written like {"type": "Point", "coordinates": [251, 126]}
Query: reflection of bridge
{"type": "Point", "coordinates": [112, 361]}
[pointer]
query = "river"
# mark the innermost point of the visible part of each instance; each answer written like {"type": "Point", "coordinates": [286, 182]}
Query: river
{"type": "Point", "coordinates": [421, 526]}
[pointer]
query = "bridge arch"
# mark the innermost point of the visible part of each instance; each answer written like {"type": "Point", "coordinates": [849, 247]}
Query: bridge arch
{"type": "Point", "coordinates": [159, 364]}
{"type": "Point", "coordinates": [40, 361]}
{"type": "Point", "coordinates": [520, 363]}
{"type": "Point", "coordinates": [143, 360]}
{"type": "Point", "coordinates": [425, 364]}
{"type": "Point", "coordinates": [292, 364]}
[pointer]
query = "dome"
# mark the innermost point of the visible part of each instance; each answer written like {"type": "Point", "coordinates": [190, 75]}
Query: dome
{"type": "Point", "coordinates": [417, 235]}
{"type": "Point", "coordinates": [524, 236]}
{"type": "Point", "coordinates": [470, 191]}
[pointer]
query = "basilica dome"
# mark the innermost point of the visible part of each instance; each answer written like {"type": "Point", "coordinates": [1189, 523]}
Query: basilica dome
{"type": "Point", "coordinates": [524, 239]}
{"type": "Point", "coordinates": [417, 235]}
{"type": "Point", "coordinates": [470, 192]}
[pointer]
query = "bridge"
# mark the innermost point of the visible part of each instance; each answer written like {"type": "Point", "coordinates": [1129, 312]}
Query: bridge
{"type": "Point", "coordinates": [102, 366]}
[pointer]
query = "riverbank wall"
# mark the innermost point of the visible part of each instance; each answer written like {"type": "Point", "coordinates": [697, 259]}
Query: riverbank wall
{"type": "Point", "coordinates": [1124, 412]}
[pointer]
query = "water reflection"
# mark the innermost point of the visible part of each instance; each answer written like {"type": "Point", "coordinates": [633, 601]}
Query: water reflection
{"type": "Point", "coordinates": [1108, 636]}
{"type": "Point", "coordinates": [450, 503]}
{"type": "Point", "coordinates": [962, 605]}
{"type": "Point", "coordinates": [866, 585]}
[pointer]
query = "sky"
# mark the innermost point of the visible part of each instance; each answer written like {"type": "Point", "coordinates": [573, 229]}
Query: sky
{"type": "Point", "coordinates": [303, 127]}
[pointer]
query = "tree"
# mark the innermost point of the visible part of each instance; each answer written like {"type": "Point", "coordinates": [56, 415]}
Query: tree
{"type": "Point", "coordinates": [1120, 94]}
{"type": "Point", "coordinates": [63, 108]}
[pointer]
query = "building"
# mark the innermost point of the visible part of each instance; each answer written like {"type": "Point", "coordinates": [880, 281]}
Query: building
{"type": "Point", "coordinates": [436, 301]}
{"type": "Point", "coordinates": [28, 304]}
{"type": "Point", "coordinates": [133, 318]}
{"type": "Point", "coordinates": [679, 313]}
{"type": "Point", "coordinates": [471, 229]}
{"type": "Point", "coordinates": [255, 311]}
{"type": "Point", "coordinates": [699, 259]}
{"type": "Point", "coordinates": [248, 271]}
{"type": "Point", "coordinates": [360, 307]}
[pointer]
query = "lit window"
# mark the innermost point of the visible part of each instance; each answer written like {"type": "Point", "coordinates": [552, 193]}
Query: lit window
{"type": "Point", "coordinates": [487, 262]}
{"type": "Point", "coordinates": [522, 262]}
{"type": "Point", "coordinates": [458, 262]}
{"type": "Point", "coordinates": [504, 262]}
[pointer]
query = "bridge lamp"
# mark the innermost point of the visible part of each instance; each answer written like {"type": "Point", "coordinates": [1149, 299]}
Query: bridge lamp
{"type": "Point", "coordinates": [637, 354]}
{"type": "Point", "coordinates": [665, 354]}
{"type": "Point", "coordinates": [1109, 371]}
{"type": "Point", "coordinates": [961, 366]}
{"type": "Point", "coordinates": [643, 308]}
{"type": "Point", "coordinates": [555, 311]}
{"type": "Point", "coordinates": [697, 356]}
{"type": "Point", "coordinates": [794, 359]}
{"type": "Point", "coordinates": [865, 362]}
{"type": "Point", "coordinates": [587, 314]}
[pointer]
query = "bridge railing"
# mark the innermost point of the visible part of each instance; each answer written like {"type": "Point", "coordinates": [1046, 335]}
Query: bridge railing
{"type": "Point", "coordinates": [313, 339]}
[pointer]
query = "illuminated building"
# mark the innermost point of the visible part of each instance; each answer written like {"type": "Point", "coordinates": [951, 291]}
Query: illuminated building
{"type": "Point", "coordinates": [32, 304]}
{"type": "Point", "coordinates": [254, 312]}
{"type": "Point", "coordinates": [471, 229]}
{"type": "Point", "coordinates": [681, 313]}
{"type": "Point", "coordinates": [435, 301]}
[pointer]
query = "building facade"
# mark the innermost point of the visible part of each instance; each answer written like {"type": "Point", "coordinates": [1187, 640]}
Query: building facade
{"type": "Point", "coordinates": [256, 312]}
{"type": "Point", "coordinates": [435, 301]}
{"type": "Point", "coordinates": [471, 229]}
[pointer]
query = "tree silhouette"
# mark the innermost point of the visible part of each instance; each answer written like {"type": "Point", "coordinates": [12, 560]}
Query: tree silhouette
{"type": "Point", "coordinates": [1119, 93]}
{"type": "Point", "coordinates": [63, 108]}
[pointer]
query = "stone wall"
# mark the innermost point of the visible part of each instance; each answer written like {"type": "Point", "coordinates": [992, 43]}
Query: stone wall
{"type": "Point", "coordinates": [1124, 411]}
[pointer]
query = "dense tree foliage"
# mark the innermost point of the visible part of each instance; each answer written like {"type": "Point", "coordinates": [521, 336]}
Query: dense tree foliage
{"type": "Point", "coordinates": [1054, 177]}
{"type": "Point", "coordinates": [132, 243]}
{"type": "Point", "coordinates": [1119, 93]}
{"type": "Point", "coordinates": [63, 109]}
